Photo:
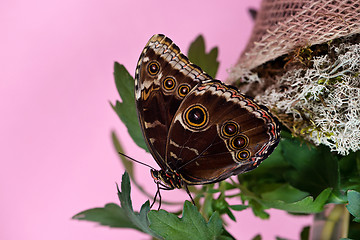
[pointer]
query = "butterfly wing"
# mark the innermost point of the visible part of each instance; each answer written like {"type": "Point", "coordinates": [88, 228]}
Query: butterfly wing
{"type": "Point", "coordinates": [217, 132]}
{"type": "Point", "coordinates": [164, 76]}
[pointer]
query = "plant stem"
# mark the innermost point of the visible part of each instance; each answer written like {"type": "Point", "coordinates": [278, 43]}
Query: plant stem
{"type": "Point", "coordinates": [332, 223]}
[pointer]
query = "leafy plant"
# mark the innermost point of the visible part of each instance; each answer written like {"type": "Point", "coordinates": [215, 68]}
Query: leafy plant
{"type": "Point", "coordinates": [297, 177]}
{"type": "Point", "coordinates": [158, 224]}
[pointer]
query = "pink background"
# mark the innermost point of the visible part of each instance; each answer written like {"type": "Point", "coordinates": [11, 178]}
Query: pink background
{"type": "Point", "coordinates": [56, 81]}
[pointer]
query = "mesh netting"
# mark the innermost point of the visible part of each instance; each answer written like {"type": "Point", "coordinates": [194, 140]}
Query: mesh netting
{"type": "Point", "coordinates": [282, 25]}
{"type": "Point", "coordinates": [303, 63]}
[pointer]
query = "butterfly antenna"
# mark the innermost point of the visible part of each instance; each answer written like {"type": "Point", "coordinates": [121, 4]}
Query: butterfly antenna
{"type": "Point", "coordinates": [134, 160]}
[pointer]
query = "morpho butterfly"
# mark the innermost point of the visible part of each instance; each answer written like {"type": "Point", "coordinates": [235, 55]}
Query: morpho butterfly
{"type": "Point", "coordinates": [198, 129]}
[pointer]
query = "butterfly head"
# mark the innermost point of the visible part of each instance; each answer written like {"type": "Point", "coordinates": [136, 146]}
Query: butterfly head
{"type": "Point", "coordinates": [167, 179]}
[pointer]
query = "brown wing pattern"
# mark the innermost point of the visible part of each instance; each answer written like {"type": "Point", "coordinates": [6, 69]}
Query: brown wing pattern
{"type": "Point", "coordinates": [217, 132]}
{"type": "Point", "coordinates": [163, 77]}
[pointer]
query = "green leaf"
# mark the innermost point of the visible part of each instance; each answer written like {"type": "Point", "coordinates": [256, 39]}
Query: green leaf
{"type": "Point", "coordinates": [269, 175]}
{"type": "Point", "coordinates": [305, 233]}
{"type": "Point", "coordinates": [238, 207]}
{"type": "Point", "coordinates": [257, 237]}
{"type": "Point", "coordinates": [140, 219]}
{"type": "Point", "coordinates": [126, 109]}
{"type": "Point", "coordinates": [354, 230]}
{"type": "Point", "coordinates": [207, 61]}
{"type": "Point", "coordinates": [267, 186]}
{"type": "Point", "coordinates": [223, 237]}
{"type": "Point", "coordinates": [315, 169]}
{"type": "Point", "coordinates": [348, 164]}
{"type": "Point", "coordinates": [226, 236]}
{"type": "Point", "coordinates": [213, 191]}
{"type": "Point", "coordinates": [285, 193]}
{"type": "Point", "coordinates": [354, 204]}
{"type": "Point", "coordinates": [258, 209]}
{"type": "Point", "coordinates": [191, 225]}
{"type": "Point", "coordinates": [111, 215]}
{"type": "Point", "coordinates": [350, 172]}
{"type": "Point", "coordinates": [221, 206]}
{"type": "Point", "coordinates": [306, 205]}
{"type": "Point", "coordinates": [230, 214]}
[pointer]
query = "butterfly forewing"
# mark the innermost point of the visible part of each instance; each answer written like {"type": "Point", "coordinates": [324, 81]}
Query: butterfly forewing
{"type": "Point", "coordinates": [164, 76]}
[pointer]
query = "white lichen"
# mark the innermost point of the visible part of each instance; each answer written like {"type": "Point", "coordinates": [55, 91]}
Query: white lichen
{"type": "Point", "coordinates": [323, 99]}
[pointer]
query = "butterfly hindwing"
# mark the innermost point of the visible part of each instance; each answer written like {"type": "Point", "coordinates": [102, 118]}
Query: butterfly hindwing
{"type": "Point", "coordinates": [217, 132]}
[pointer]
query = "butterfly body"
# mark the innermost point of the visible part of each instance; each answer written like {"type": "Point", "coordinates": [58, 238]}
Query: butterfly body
{"type": "Point", "coordinates": [198, 129]}
{"type": "Point", "coordinates": [167, 178]}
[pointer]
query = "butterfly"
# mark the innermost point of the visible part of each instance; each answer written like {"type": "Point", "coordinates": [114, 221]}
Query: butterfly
{"type": "Point", "coordinates": [198, 130]}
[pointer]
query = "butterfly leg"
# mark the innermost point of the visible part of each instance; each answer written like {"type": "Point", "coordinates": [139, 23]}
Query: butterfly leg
{"type": "Point", "coordinates": [162, 187]}
{"type": "Point", "coordinates": [156, 194]}
{"type": "Point", "coordinates": [188, 192]}
{"type": "Point", "coordinates": [159, 200]}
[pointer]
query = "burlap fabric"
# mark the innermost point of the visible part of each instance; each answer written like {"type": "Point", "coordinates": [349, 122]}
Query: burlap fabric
{"type": "Point", "coordinates": [283, 25]}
